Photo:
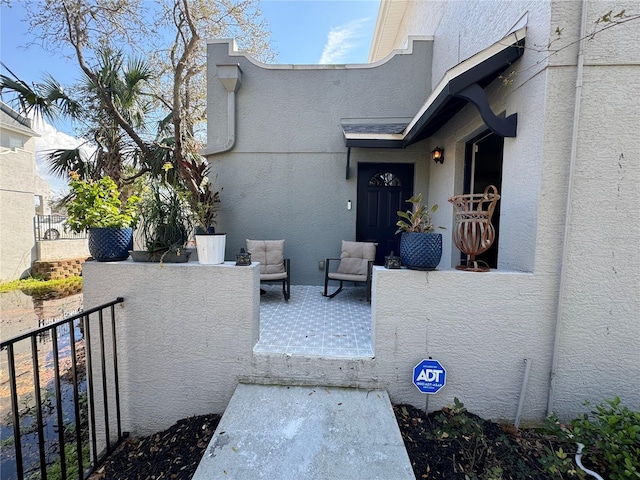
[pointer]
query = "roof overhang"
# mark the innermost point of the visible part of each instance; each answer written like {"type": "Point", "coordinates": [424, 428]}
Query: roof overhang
{"type": "Point", "coordinates": [460, 85]}
{"type": "Point", "coordinates": [13, 121]}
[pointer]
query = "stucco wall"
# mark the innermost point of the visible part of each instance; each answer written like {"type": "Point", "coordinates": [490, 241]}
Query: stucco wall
{"type": "Point", "coordinates": [185, 340]}
{"type": "Point", "coordinates": [285, 177]}
{"type": "Point", "coordinates": [17, 204]}
{"type": "Point", "coordinates": [185, 334]}
{"type": "Point", "coordinates": [576, 295]}
{"type": "Point", "coordinates": [599, 336]}
{"type": "Point", "coordinates": [61, 249]}
{"type": "Point", "coordinates": [595, 298]}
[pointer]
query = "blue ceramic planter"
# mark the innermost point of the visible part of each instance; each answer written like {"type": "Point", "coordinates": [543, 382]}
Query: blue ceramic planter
{"type": "Point", "coordinates": [110, 244]}
{"type": "Point", "coordinates": [421, 251]}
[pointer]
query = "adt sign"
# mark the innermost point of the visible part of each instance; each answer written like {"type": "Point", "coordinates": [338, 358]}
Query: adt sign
{"type": "Point", "coordinates": [429, 376]}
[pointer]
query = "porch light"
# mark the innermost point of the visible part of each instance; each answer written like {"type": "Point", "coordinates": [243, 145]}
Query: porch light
{"type": "Point", "coordinates": [243, 259]}
{"type": "Point", "coordinates": [437, 154]}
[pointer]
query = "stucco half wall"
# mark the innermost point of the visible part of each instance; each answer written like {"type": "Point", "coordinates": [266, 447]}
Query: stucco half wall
{"type": "Point", "coordinates": [186, 334]}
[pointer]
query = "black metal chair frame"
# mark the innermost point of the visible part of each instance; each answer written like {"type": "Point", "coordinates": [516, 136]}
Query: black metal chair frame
{"type": "Point", "coordinates": [326, 279]}
{"type": "Point", "coordinates": [286, 282]}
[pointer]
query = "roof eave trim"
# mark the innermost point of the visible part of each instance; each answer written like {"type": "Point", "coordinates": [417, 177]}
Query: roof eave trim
{"type": "Point", "coordinates": [368, 140]}
{"type": "Point", "coordinates": [508, 42]}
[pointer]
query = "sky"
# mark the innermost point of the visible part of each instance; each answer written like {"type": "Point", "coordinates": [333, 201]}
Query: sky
{"type": "Point", "coordinates": [302, 32]}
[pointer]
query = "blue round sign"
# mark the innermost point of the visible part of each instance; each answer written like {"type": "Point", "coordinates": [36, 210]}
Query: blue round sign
{"type": "Point", "coordinates": [429, 376]}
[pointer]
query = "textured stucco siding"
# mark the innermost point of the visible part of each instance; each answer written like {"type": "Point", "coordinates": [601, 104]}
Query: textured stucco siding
{"type": "Point", "coordinates": [17, 204]}
{"type": "Point", "coordinates": [299, 197]}
{"type": "Point", "coordinates": [568, 278]}
{"type": "Point", "coordinates": [480, 327]}
{"type": "Point", "coordinates": [600, 335]}
{"type": "Point", "coordinates": [185, 335]}
{"type": "Point", "coordinates": [468, 27]}
{"type": "Point", "coordinates": [286, 109]}
{"type": "Point", "coordinates": [285, 177]}
{"type": "Point", "coordinates": [599, 340]}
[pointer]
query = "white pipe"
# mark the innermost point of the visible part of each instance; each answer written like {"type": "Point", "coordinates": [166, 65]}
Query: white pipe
{"type": "Point", "coordinates": [567, 215]}
{"type": "Point", "coordinates": [231, 78]}
{"type": "Point", "coordinates": [231, 128]}
{"type": "Point", "coordinates": [523, 390]}
{"type": "Point", "coordinates": [579, 462]}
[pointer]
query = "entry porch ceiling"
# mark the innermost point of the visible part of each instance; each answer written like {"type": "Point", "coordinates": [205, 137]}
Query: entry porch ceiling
{"type": "Point", "coordinates": [461, 84]}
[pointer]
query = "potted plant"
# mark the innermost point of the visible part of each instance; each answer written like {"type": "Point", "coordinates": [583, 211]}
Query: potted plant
{"type": "Point", "coordinates": [420, 247]}
{"type": "Point", "coordinates": [164, 223]}
{"type": "Point", "coordinates": [204, 199]}
{"type": "Point", "coordinates": [95, 206]}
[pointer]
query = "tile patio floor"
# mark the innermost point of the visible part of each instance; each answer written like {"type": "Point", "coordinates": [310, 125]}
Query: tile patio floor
{"type": "Point", "coordinates": [310, 324]}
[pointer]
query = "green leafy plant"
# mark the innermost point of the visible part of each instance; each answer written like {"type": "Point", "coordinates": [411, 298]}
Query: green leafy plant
{"type": "Point", "coordinates": [165, 220]}
{"type": "Point", "coordinates": [97, 204]}
{"type": "Point", "coordinates": [611, 435]}
{"type": "Point", "coordinates": [482, 450]}
{"type": "Point", "coordinates": [203, 197]}
{"type": "Point", "coordinates": [418, 219]}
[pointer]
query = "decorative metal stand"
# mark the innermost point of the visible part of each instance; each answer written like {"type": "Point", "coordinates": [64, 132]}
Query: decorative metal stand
{"type": "Point", "coordinates": [474, 233]}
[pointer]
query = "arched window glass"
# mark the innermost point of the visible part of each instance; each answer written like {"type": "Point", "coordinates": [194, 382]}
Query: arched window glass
{"type": "Point", "coordinates": [386, 179]}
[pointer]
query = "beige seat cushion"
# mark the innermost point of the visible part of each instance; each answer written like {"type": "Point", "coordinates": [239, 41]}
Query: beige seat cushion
{"type": "Point", "coordinates": [347, 277]}
{"type": "Point", "coordinates": [355, 257]}
{"type": "Point", "coordinates": [270, 254]}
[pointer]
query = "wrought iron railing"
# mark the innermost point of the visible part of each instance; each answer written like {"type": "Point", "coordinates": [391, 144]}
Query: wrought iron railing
{"type": "Point", "coordinates": [65, 420]}
{"type": "Point", "coordinates": [53, 227]}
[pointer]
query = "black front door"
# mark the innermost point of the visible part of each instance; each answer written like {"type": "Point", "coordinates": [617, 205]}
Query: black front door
{"type": "Point", "coordinates": [383, 189]}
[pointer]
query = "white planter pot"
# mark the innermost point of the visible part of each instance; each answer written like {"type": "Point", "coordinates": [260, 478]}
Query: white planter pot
{"type": "Point", "coordinates": [211, 248]}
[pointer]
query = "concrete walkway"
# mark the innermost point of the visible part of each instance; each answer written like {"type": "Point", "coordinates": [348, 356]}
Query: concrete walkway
{"type": "Point", "coordinates": [306, 433]}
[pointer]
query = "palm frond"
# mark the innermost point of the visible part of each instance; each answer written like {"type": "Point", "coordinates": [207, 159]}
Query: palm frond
{"type": "Point", "coordinates": [28, 97]}
{"type": "Point", "coordinates": [54, 93]}
{"type": "Point", "coordinates": [63, 161]}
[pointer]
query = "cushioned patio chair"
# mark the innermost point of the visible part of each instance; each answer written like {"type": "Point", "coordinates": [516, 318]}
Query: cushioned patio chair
{"type": "Point", "coordinates": [273, 266]}
{"type": "Point", "coordinates": [356, 264]}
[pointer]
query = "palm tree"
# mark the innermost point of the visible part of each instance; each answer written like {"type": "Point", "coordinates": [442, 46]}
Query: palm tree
{"type": "Point", "coordinates": [112, 84]}
{"type": "Point", "coordinates": [116, 110]}
{"type": "Point", "coordinates": [47, 99]}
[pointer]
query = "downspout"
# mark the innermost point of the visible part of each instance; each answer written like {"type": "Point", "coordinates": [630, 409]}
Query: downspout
{"type": "Point", "coordinates": [231, 78]}
{"type": "Point", "coordinates": [567, 216]}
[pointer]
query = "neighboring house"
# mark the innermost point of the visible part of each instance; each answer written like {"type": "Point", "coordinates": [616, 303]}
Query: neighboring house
{"type": "Point", "coordinates": [22, 194]}
{"type": "Point", "coordinates": [519, 95]}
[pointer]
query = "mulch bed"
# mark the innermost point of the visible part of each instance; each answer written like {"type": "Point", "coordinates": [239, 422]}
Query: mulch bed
{"type": "Point", "coordinates": [445, 444]}
{"type": "Point", "coordinates": [172, 454]}
{"type": "Point", "coordinates": [456, 444]}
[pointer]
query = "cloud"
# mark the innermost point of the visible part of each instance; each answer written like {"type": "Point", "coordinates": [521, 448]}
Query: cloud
{"type": "Point", "coordinates": [342, 40]}
{"type": "Point", "coordinates": [51, 139]}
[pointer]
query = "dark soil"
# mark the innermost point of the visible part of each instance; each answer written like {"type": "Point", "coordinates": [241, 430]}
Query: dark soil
{"type": "Point", "coordinates": [456, 444]}
{"type": "Point", "coordinates": [447, 444]}
{"type": "Point", "coordinates": [172, 454]}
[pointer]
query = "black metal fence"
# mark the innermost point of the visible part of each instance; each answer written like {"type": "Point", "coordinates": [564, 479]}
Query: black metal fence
{"type": "Point", "coordinates": [53, 227]}
{"type": "Point", "coordinates": [67, 420]}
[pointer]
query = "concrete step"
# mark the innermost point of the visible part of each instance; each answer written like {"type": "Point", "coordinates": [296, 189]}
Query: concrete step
{"type": "Point", "coordinates": [306, 433]}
